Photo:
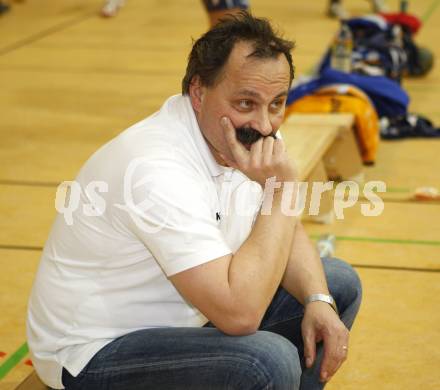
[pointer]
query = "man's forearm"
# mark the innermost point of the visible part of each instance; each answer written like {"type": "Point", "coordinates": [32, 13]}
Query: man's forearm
{"type": "Point", "coordinates": [304, 274]}
{"type": "Point", "coordinates": [258, 266]}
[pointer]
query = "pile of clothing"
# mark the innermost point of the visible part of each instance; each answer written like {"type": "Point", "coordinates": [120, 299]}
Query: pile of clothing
{"type": "Point", "coordinates": [382, 51]}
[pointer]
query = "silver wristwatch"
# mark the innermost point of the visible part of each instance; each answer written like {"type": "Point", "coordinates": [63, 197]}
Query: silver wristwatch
{"type": "Point", "coordinates": [323, 298]}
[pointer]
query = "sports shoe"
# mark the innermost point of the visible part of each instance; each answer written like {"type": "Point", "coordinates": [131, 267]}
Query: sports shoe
{"type": "Point", "coordinates": [3, 7]}
{"type": "Point", "coordinates": [335, 10]}
{"type": "Point", "coordinates": [111, 7]}
{"type": "Point", "coordinates": [379, 6]}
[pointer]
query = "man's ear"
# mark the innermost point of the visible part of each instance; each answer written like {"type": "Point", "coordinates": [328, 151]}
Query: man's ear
{"type": "Point", "coordinates": [196, 93]}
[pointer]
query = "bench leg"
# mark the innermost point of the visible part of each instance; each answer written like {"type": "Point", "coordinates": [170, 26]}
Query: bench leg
{"type": "Point", "coordinates": [323, 211]}
{"type": "Point", "coordinates": [342, 160]}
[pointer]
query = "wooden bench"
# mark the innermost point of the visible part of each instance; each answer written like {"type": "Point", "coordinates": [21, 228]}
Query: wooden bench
{"type": "Point", "coordinates": [342, 160]}
{"type": "Point", "coordinates": [324, 148]}
{"type": "Point", "coordinates": [32, 382]}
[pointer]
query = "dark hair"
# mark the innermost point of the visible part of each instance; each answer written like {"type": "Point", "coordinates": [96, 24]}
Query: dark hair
{"type": "Point", "coordinates": [211, 51]}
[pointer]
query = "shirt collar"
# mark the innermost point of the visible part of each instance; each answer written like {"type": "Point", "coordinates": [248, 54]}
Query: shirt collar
{"type": "Point", "coordinates": [215, 169]}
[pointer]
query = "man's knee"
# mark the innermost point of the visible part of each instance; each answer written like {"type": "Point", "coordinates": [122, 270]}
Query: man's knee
{"type": "Point", "coordinates": [275, 362]}
{"type": "Point", "coordinates": [343, 282]}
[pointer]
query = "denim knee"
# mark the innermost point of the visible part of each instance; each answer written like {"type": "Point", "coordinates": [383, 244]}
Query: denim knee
{"type": "Point", "coordinates": [344, 283]}
{"type": "Point", "coordinates": [276, 362]}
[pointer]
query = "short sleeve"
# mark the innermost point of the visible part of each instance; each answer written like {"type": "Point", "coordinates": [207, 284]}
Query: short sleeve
{"type": "Point", "coordinates": [172, 211]}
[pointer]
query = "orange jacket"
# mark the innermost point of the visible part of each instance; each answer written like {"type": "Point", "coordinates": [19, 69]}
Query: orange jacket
{"type": "Point", "coordinates": [348, 99]}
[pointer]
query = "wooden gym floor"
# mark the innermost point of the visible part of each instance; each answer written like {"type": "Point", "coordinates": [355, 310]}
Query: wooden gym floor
{"type": "Point", "coordinates": [70, 81]}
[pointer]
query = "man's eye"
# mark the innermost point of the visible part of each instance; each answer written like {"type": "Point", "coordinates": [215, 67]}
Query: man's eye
{"type": "Point", "coordinates": [246, 104]}
{"type": "Point", "coordinates": [277, 104]}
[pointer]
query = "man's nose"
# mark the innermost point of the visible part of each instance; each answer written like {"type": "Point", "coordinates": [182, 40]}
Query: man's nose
{"type": "Point", "coordinates": [263, 124]}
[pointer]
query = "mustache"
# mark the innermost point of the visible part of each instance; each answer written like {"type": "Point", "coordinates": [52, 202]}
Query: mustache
{"type": "Point", "coordinates": [248, 135]}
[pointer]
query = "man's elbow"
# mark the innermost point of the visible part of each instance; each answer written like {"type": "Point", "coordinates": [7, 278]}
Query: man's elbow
{"type": "Point", "coordinates": [241, 325]}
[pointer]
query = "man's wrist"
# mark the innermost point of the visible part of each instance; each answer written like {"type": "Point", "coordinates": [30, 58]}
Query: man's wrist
{"type": "Point", "coordinates": [322, 298]}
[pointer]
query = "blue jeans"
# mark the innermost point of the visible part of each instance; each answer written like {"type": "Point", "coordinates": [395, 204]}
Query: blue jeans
{"type": "Point", "coordinates": [207, 359]}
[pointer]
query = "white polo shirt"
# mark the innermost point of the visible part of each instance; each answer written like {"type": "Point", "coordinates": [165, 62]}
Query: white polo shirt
{"type": "Point", "coordinates": [149, 204]}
